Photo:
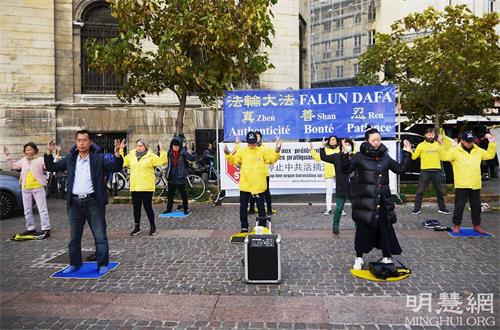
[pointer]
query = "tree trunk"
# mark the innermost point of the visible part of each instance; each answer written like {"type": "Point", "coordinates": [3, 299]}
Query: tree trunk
{"type": "Point", "coordinates": [179, 122]}
{"type": "Point", "coordinates": [437, 120]}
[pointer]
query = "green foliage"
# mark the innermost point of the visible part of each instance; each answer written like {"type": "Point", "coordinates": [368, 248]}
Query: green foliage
{"type": "Point", "coordinates": [202, 46]}
{"type": "Point", "coordinates": [445, 63]}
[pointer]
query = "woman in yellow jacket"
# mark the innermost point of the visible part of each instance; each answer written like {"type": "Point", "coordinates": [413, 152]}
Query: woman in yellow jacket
{"type": "Point", "coordinates": [142, 162]}
{"type": "Point", "coordinates": [466, 160]}
{"type": "Point", "coordinates": [329, 173]}
{"type": "Point", "coordinates": [253, 162]}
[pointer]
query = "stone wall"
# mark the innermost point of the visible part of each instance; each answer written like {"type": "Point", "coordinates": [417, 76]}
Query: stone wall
{"type": "Point", "coordinates": [27, 51]}
{"type": "Point", "coordinates": [149, 122]}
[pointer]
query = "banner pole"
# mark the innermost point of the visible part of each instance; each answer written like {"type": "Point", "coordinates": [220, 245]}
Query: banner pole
{"type": "Point", "coordinates": [398, 108]}
{"type": "Point", "coordinates": [217, 148]}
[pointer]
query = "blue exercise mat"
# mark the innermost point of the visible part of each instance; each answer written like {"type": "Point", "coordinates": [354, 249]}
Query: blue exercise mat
{"type": "Point", "coordinates": [88, 270]}
{"type": "Point", "coordinates": [469, 232]}
{"type": "Point", "coordinates": [176, 214]}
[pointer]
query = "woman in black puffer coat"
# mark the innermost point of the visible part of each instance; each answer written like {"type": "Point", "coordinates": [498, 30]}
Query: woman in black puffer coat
{"type": "Point", "coordinates": [373, 206]}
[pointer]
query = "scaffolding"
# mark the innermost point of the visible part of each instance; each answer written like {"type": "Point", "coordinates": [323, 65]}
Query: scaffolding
{"type": "Point", "coordinates": [341, 30]}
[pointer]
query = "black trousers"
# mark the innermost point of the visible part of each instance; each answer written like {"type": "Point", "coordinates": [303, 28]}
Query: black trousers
{"type": "Point", "coordinates": [171, 192]}
{"type": "Point", "coordinates": [474, 197]}
{"type": "Point", "coordinates": [267, 197]}
{"type": "Point", "coordinates": [244, 199]}
{"type": "Point", "coordinates": [145, 198]}
{"type": "Point", "coordinates": [435, 177]}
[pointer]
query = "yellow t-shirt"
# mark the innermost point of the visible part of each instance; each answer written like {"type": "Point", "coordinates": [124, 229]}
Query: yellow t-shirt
{"type": "Point", "coordinates": [429, 155]}
{"type": "Point", "coordinates": [31, 182]}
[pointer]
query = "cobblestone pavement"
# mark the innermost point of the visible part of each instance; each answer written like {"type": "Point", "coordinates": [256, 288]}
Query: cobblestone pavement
{"type": "Point", "coordinates": [190, 276]}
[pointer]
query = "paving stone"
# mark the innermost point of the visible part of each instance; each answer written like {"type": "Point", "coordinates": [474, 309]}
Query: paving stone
{"type": "Point", "coordinates": [193, 257]}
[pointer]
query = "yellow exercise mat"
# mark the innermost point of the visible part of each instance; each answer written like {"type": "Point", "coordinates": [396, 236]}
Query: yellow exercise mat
{"type": "Point", "coordinates": [367, 275]}
{"type": "Point", "coordinates": [240, 237]}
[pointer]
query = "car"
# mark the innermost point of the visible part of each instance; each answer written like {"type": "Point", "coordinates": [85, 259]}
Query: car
{"type": "Point", "coordinates": [11, 200]}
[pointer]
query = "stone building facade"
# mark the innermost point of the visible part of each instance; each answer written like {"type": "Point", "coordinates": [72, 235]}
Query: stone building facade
{"type": "Point", "coordinates": [44, 94]}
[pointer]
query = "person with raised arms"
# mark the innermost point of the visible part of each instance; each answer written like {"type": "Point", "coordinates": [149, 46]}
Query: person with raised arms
{"type": "Point", "coordinates": [253, 162]}
{"type": "Point", "coordinates": [87, 196]}
{"type": "Point", "coordinates": [465, 159]}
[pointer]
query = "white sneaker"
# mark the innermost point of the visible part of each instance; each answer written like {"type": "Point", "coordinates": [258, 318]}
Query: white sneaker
{"type": "Point", "coordinates": [386, 260]}
{"type": "Point", "coordinates": [328, 212]}
{"type": "Point", "coordinates": [343, 212]}
{"type": "Point", "coordinates": [358, 263]}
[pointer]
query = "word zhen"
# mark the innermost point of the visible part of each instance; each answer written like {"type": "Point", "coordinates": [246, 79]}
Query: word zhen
{"type": "Point", "coordinates": [265, 118]}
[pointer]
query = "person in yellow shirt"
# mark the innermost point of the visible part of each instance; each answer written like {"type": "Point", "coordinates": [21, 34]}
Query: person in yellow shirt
{"type": "Point", "coordinates": [332, 147]}
{"type": "Point", "coordinates": [465, 159]}
{"type": "Point", "coordinates": [430, 170]}
{"type": "Point", "coordinates": [253, 162]}
{"type": "Point", "coordinates": [142, 162]}
{"type": "Point", "coordinates": [267, 193]}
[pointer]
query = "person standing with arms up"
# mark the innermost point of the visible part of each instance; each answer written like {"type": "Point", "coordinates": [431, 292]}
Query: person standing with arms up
{"type": "Point", "coordinates": [430, 170]}
{"type": "Point", "coordinates": [87, 196]}
{"type": "Point", "coordinates": [465, 159]}
{"type": "Point", "coordinates": [142, 162]}
{"type": "Point", "coordinates": [253, 162]}
{"type": "Point", "coordinates": [332, 147]}
{"type": "Point", "coordinates": [33, 183]}
{"type": "Point", "coordinates": [267, 193]}
{"type": "Point", "coordinates": [177, 173]}
{"type": "Point", "coordinates": [343, 181]}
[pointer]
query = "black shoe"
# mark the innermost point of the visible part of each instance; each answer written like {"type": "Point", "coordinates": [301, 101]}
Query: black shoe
{"type": "Point", "coordinates": [244, 230]}
{"type": "Point", "coordinates": [444, 211]}
{"type": "Point", "coordinates": [187, 211]}
{"type": "Point", "coordinates": [46, 233]}
{"type": "Point", "coordinates": [29, 232]}
{"type": "Point", "coordinates": [152, 231]}
{"type": "Point", "coordinates": [136, 231]}
{"type": "Point", "coordinates": [336, 231]}
{"type": "Point", "coordinates": [416, 211]}
{"type": "Point", "coordinates": [167, 211]}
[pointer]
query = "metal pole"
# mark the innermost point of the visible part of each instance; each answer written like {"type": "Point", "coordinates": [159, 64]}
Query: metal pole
{"type": "Point", "coordinates": [217, 143]}
{"type": "Point", "coordinates": [399, 139]}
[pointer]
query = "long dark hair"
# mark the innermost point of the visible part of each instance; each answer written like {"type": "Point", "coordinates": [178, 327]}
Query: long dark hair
{"type": "Point", "coordinates": [329, 138]}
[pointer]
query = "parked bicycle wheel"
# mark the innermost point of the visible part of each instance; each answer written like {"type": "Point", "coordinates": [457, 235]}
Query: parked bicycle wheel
{"type": "Point", "coordinates": [117, 182]}
{"type": "Point", "coordinates": [195, 187]}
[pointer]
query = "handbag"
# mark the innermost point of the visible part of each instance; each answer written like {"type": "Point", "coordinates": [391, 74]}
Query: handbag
{"type": "Point", "coordinates": [383, 271]}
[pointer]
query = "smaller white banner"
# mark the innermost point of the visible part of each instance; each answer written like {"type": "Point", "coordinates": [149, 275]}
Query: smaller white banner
{"type": "Point", "coordinates": [296, 172]}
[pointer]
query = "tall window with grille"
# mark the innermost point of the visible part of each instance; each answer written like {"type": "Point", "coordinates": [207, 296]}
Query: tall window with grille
{"type": "Point", "coordinates": [339, 71]}
{"type": "Point", "coordinates": [372, 12]}
{"type": "Point", "coordinates": [100, 25]}
{"type": "Point", "coordinates": [340, 48]}
{"type": "Point", "coordinates": [357, 45]}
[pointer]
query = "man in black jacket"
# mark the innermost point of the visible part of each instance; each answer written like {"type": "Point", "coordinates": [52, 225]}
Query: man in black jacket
{"type": "Point", "coordinates": [87, 196]}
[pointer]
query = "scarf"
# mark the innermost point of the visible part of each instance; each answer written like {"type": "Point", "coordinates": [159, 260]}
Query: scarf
{"type": "Point", "coordinates": [368, 150]}
{"type": "Point", "coordinates": [176, 156]}
{"type": "Point", "coordinates": [140, 154]}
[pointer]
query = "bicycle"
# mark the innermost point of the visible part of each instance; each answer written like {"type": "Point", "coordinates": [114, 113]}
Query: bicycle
{"type": "Point", "coordinates": [56, 184]}
{"type": "Point", "coordinates": [118, 181]}
{"type": "Point", "coordinates": [195, 186]}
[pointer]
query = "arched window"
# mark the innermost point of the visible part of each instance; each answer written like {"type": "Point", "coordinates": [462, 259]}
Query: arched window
{"type": "Point", "coordinates": [98, 24]}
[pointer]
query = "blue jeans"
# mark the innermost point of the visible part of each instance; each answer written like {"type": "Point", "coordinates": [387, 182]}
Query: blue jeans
{"type": "Point", "coordinates": [82, 210]}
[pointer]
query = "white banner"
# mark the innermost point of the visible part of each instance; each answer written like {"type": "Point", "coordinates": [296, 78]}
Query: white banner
{"type": "Point", "coordinates": [296, 172]}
